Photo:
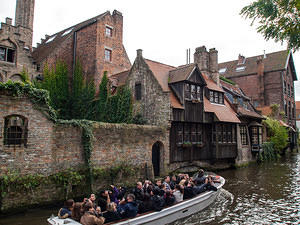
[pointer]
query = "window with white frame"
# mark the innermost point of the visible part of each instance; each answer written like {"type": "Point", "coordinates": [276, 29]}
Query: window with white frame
{"type": "Point", "coordinates": [107, 54]}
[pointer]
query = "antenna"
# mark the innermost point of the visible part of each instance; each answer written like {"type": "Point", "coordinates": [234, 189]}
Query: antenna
{"type": "Point", "coordinates": [187, 56]}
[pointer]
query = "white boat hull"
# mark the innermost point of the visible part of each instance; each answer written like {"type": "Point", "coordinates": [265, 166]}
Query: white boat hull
{"type": "Point", "coordinates": [167, 215]}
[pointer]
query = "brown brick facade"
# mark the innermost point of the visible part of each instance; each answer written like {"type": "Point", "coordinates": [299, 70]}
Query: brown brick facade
{"type": "Point", "coordinates": [87, 43]}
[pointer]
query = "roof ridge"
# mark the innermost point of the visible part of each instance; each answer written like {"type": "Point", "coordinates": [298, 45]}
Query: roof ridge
{"type": "Point", "coordinates": [95, 17]}
{"type": "Point", "coordinates": [160, 63]}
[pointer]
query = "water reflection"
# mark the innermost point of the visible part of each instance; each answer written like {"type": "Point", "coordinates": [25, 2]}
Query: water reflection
{"type": "Point", "coordinates": [258, 194]}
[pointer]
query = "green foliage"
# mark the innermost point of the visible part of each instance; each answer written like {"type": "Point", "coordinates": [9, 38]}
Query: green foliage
{"type": "Point", "coordinates": [275, 110]}
{"type": "Point", "coordinates": [227, 80]}
{"type": "Point", "coordinates": [277, 133]}
{"type": "Point", "coordinates": [119, 106]}
{"type": "Point", "coordinates": [40, 98]}
{"type": "Point", "coordinates": [56, 82]}
{"type": "Point", "coordinates": [111, 174]}
{"type": "Point", "coordinates": [268, 153]}
{"type": "Point", "coordinates": [278, 20]}
{"type": "Point", "coordinates": [101, 111]}
{"type": "Point", "coordinates": [25, 76]}
{"type": "Point", "coordinates": [113, 108]}
{"type": "Point", "coordinates": [83, 94]}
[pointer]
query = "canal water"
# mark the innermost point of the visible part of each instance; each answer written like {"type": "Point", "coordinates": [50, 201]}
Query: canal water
{"type": "Point", "coordinates": [266, 193]}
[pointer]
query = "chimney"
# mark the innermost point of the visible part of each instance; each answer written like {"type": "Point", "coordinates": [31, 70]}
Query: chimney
{"type": "Point", "coordinates": [201, 58]}
{"type": "Point", "coordinates": [260, 66]}
{"type": "Point", "coordinates": [139, 53]}
{"type": "Point", "coordinates": [118, 24]}
{"type": "Point", "coordinates": [8, 21]}
{"type": "Point", "coordinates": [46, 36]}
{"type": "Point", "coordinates": [213, 65]}
{"type": "Point", "coordinates": [241, 59]}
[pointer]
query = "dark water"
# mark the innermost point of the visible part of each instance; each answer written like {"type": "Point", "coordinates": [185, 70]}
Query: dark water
{"type": "Point", "coordinates": [259, 194]}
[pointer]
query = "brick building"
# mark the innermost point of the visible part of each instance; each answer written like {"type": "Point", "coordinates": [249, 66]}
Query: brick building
{"type": "Point", "coordinates": [16, 43]}
{"type": "Point", "coordinates": [96, 43]}
{"type": "Point", "coordinates": [267, 79]}
{"type": "Point", "coordinates": [189, 100]}
{"type": "Point", "coordinates": [298, 114]}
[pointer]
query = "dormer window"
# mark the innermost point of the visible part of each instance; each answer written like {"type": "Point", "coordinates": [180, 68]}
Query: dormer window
{"type": "Point", "coordinates": [193, 92]}
{"type": "Point", "coordinates": [216, 97]}
{"type": "Point", "coordinates": [240, 69]}
{"type": "Point", "coordinates": [7, 54]}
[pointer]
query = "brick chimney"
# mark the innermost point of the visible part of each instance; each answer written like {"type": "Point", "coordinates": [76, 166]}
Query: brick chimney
{"type": "Point", "coordinates": [241, 59]}
{"type": "Point", "coordinates": [201, 58]}
{"type": "Point", "coordinates": [261, 85]}
{"type": "Point", "coordinates": [8, 21]}
{"type": "Point", "coordinates": [213, 65]}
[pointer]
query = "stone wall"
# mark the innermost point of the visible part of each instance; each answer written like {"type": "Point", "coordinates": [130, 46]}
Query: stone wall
{"type": "Point", "coordinates": [55, 147]}
{"type": "Point", "coordinates": [154, 104]}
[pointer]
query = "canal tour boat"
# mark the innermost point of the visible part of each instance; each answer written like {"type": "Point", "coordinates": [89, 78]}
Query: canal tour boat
{"type": "Point", "coordinates": [167, 215]}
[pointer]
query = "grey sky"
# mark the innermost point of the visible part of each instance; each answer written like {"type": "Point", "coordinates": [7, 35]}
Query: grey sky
{"type": "Point", "coordinates": [164, 29]}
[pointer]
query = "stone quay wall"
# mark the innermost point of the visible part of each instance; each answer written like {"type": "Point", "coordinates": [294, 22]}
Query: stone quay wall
{"type": "Point", "coordinates": [53, 148]}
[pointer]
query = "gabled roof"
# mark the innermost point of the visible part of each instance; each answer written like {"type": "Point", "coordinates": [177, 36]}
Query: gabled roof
{"type": "Point", "coordinates": [224, 113]}
{"type": "Point", "coordinates": [119, 79]}
{"type": "Point", "coordinates": [211, 85]}
{"type": "Point", "coordinates": [161, 73]}
{"type": "Point", "coordinates": [181, 73]}
{"type": "Point", "coordinates": [273, 62]}
{"type": "Point", "coordinates": [53, 41]}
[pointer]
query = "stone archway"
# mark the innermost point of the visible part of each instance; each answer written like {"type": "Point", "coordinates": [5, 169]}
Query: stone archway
{"type": "Point", "coordinates": [16, 77]}
{"type": "Point", "coordinates": [157, 156]}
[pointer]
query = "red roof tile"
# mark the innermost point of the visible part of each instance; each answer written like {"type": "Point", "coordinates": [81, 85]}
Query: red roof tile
{"type": "Point", "coordinates": [174, 101]}
{"type": "Point", "coordinates": [119, 79]}
{"type": "Point", "coordinates": [211, 84]}
{"type": "Point", "coordinates": [224, 113]}
{"type": "Point", "coordinates": [161, 73]}
{"type": "Point", "coordinates": [297, 104]}
{"type": "Point", "coordinates": [181, 73]}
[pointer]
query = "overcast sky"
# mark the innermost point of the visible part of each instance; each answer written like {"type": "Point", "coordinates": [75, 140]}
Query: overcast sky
{"type": "Point", "coordinates": [164, 29]}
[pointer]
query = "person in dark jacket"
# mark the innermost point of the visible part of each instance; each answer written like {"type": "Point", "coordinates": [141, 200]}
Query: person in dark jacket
{"type": "Point", "coordinates": [169, 198]}
{"type": "Point", "coordinates": [138, 192]}
{"type": "Point", "coordinates": [157, 200]}
{"type": "Point", "coordinates": [129, 209]}
{"type": "Point", "coordinates": [103, 200]}
{"type": "Point", "coordinates": [111, 214]}
{"type": "Point", "coordinates": [189, 191]}
{"type": "Point", "coordinates": [147, 204]}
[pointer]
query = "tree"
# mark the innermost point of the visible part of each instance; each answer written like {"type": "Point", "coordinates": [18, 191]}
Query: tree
{"type": "Point", "coordinates": [278, 19]}
{"type": "Point", "coordinates": [102, 99]}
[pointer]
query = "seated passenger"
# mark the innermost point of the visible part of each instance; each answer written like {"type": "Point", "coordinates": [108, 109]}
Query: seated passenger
{"type": "Point", "coordinates": [128, 209]}
{"type": "Point", "coordinates": [138, 192]}
{"type": "Point", "coordinates": [103, 200]}
{"type": "Point", "coordinates": [77, 211]}
{"type": "Point", "coordinates": [189, 191]}
{"type": "Point", "coordinates": [158, 201]}
{"type": "Point", "coordinates": [93, 200]}
{"type": "Point", "coordinates": [66, 211]}
{"type": "Point", "coordinates": [167, 183]}
{"type": "Point", "coordinates": [178, 193]}
{"type": "Point", "coordinates": [89, 217]}
{"type": "Point", "coordinates": [146, 205]}
{"type": "Point", "coordinates": [169, 199]}
{"type": "Point", "coordinates": [111, 214]}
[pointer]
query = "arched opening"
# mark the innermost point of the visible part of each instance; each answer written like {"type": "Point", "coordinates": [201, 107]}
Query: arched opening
{"type": "Point", "coordinates": [15, 130]}
{"type": "Point", "coordinates": [156, 156]}
{"type": "Point", "coordinates": [16, 77]}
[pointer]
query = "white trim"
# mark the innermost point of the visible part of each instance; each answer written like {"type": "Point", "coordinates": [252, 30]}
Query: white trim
{"type": "Point", "coordinates": [287, 60]}
{"type": "Point", "coordinates": [191, 73]}
{"type": "Point", "coordinates": [108, 48]}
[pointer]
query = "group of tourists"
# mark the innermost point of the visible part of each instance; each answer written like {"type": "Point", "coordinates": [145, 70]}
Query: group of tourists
{"type": "Point", "coordinates": [120, 203]}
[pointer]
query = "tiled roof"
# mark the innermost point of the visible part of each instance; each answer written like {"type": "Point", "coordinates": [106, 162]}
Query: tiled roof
{"type": "Point", "coordinates": [181, 73]}
{"type": "Point", "coordinates": [273, 62]}
{"type": "Point", "coordinates": [174, 101]}
{"type": "Point", "coordinates": [53, 41]}
{"type": "Point", "coordinates": [119, 79]}
{"type": "Point", "coordinates": [297, 104]}
{"type": "Point", "coordinates": [266, 110]}
{"type": "Point", "coordinates": [224, 113]}
{"type": "Point", "coordinates": [249, 113]}
{"type": "Point", "coordinates": [161, 73]}
{"type": "Point", "coordinates": [211, 84]}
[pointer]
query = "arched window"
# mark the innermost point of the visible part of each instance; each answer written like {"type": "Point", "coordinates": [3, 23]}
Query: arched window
{"type": "Point", "coordinates": [15, 131]}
